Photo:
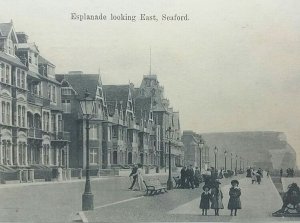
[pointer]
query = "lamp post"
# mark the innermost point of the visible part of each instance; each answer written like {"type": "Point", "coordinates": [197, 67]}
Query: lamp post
{"type": "Point", "coordinates": [231, 161]}
{"type": "Point", "coordinates": [240, 163]}
{"type": "Point", "coordinates": [87, 107]}
{"type": "Point", "coordinates": [236, 158]}
{"type": "Point", "coordinates": [170, 182]}
{"type": "Point", "coordinates": [216, 151]}
{"type": "Point", "coordinates": [200, 145]}
{"type": "Point", "coordinates": [225, 154]}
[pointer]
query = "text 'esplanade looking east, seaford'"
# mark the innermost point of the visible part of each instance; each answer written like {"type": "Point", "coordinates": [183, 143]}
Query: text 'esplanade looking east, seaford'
{"type": "Point", "coordinates": [126, 17]}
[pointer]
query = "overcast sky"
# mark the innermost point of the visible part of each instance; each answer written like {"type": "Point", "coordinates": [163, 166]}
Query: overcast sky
{"type": "Point", "coordinates": [234, 66]}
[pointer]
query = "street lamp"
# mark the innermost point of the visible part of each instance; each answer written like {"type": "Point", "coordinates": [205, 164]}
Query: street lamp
{"type": "Point", "coordinates": [200, 145]}
{"type": "Point", "coordinates": [236, 158]}
{"type": "Point", "coordinates": [216, 151]}
{"type": "Point", "coordinates": [231, 161]}
{"type": "Point", "coordinates": [170, 182]}
{"type": "Point", "coordinates": [87, 107]}
{"type": "Point", "coordinates": [240, 163]}
{"type": "Point", "coordinates": [225, 154]}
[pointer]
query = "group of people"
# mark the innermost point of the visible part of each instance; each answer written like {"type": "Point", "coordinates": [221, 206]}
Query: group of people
{"type": "Point", "coordinates": [256, 176]}
{"type": "Point", "coordinates": [289, 172]}
{"type": "Point", "coordinates": [212, 198]}
{"type": "Point", "coordinates": [190, 178]}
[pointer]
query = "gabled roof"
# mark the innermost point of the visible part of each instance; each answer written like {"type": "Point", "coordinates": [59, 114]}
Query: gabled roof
{"type": "Point", "coordinates": [142, 108]}
{"type": "Point", "coordinates": [81, 82]}
{"type": "Point", "coordinates": [5, 29]}
{"type": "Point", "coordinates": [117, 93]}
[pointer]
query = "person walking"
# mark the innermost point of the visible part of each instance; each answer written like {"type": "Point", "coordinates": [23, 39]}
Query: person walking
{"type": "Point", "coordinates": [234, 202]}
{"type": "Point", "coordinates": [216, 198]}
{"type": "Point", "coordinates": [190, 177]}
{"type": "Point", "coordinates": [258, 177]}
{"type": "Point", "coordinates": [281, 172]}
{"type": "Point", "coordinates": [183, 176]}
{"type": "Point", "coordinates": [197, 179]}
{"type": "Point", "coordinates": [253, 178]}
{"type": "Point", "coordinates": [139, 184]}
{"type": "Point", "coordinates": [133, 175]}
{"type": "Point", "coordinates": [205, 200]}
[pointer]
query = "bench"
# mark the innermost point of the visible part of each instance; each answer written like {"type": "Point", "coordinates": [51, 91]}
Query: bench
{"type": "Point", "coordinates": [177, 182]}
{"type": "Point", "coordinates": [154, 186]}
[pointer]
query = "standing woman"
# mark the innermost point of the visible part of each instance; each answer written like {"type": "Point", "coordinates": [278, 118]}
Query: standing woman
{"type": "Point", "coordinates": [216, 197]}
{"type": "Point", "coordinates": [234, 200]}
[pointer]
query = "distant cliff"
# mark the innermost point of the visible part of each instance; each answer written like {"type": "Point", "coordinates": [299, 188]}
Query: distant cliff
{"type": "Point", "coordinates": [268, 150]}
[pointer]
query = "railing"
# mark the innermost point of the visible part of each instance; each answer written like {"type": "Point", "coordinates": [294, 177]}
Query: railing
{"type": "Point", "coordinates": [64, 136]}
{"type": "Point", "coordinates": [35, 133]}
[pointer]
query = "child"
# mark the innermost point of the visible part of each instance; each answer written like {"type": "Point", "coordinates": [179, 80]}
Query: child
{"type": "Point", "coordinates": [234, 200]}
{"type": "Point", "coordinates": [216, 197]}
{"type": "Point", "coordinates": [254, 179]}
{"type": "Point", "coordinates": [205, 198]}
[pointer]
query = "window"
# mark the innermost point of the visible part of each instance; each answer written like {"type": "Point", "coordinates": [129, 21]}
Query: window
{"type": "Point", "coordinates": [23, 116]}
{"type": "Point", "coordinates": [66, 105]}
{"type": "Point", "coordinates": [46, 121]}
{"type": "Point", "coordinates": [2, 72]}
{"type": "Point", "coordinates": [66, 91]}
{"type": "Point", "coordinates": [54, 94]}
{"type": "Point", "coordinates": [60, 123]}
{"type": "Point", "coordinates": [19, 115]}
{"type": "Point", "coordinates": [18, 78]}
{"type": "Point", "coordinates": [3, 112]}
{"type": "Point", "coordinates": [94, 132]}
{"type": "Point", "coordinates": [94, 156]}
{"type": "Point", "coordinates": [7, 75]}
{"type": "Point", "coordinates": [49, 91]}
{"type": "Point", "coordinates": [8, 113]}
{"type": "Point", "coordinates": [46, 148]}
{"type": "Point", "coordinates": [10, 45]}
{"type": "Point", "coordinates": [115, 132]}
{"type": "Point", "coordinates": [23, 79]}
{"type": "Point", "coordinates": [53, 123]}
{"type": "Point", "coordinates": [30, 58]}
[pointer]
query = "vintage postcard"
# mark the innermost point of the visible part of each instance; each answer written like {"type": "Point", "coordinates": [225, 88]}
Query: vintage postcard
{"type": "Point", "coordinates": [149, 111]}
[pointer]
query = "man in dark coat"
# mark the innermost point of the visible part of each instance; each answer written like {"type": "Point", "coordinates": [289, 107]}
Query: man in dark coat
{"type": "Point", "coordinates": [133, 173]}
{"type": "Point", "coordinates": [190, 177]}
{"type": "Point", "coordinates": [183, 176]}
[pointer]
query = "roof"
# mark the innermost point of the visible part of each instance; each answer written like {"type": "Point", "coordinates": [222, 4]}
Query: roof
{"type": "Point", "coordinates": [117, 93]}
{"type": "Point", "coordinates": [5, 29]}
{"type": "Point", "coordinates": [26, 46]}
{"type": "Point", "coordinates": [12, 60]}
{"type": "Point", "coordinates": [142, 107]}
{"type": "Point", "coordinates": [42, 60]}
{"type": "Point", "coordinates": [81, 82]}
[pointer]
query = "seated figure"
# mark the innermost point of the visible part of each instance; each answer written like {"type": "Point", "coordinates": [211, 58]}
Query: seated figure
{"type": "Point", "coordinates": [292, 197]}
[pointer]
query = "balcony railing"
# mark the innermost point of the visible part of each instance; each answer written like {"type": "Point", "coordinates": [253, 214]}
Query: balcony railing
{"type": "Point", "coordinates": [37, 100]}
{"type": "Point", "coordinates": [61, 136]}
{"type": "Point", "coordinates": [35, 133]}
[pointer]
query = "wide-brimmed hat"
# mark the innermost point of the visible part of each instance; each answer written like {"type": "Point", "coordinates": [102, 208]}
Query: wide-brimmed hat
{"type": "Point", "coordinates": [205, 186]}
{"type": "Point", "coordinates": [235, 182]}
